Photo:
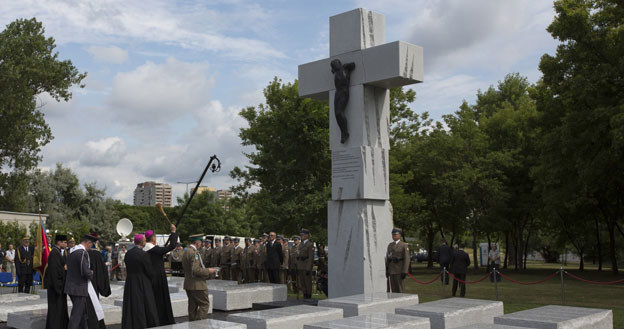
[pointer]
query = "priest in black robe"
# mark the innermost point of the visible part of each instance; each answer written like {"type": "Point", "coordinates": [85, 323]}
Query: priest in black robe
{"type": "Point", "coordinates": [54, 282]}
{"type": "Point", "coordinates": [139, 305]}
{"type": "Point", "coordinates": [101, 285]}
{"type": "Point", "coordinates": [159, 283]}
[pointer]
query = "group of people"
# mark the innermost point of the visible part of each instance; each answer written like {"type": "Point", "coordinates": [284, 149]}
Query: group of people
{"type": "Point", "coordinates": [269, 258]}
{"type": "Point", "coordinates": [7, 260]}
{"type": "Point", "coordinates": [456, 263]}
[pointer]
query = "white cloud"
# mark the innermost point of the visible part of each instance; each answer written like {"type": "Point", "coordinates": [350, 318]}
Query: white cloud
{"type": "Point", "coordinates": [156, 94]}
{"type": "Point", "coordinates": [195, 26]}
{"type": "Point", "coordinates": [110, 54]}
{"type": "Point", "coordinates": [104, 152]}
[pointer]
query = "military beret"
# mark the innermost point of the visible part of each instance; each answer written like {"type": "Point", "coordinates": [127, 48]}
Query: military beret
{"type": "Point", "coordinates": [304, 231]}
{"type": "Point", "coordinates": [396, 231]}
{"type": "Point", "coordinates": [196, 237]}
{"type": "Point", "coordinates": [60, 237]}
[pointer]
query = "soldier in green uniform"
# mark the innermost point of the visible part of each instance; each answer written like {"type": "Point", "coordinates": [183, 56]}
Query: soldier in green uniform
{"type": "Point", "coordinates": [285, 255]}
{"type": "Point", "coordinates": [206, 252]}
{"type": "Point", "coordinates": [244, 265]}
{"type": "Point", "coordinates": [265, 271]}
{"type": "Point", "coordinates": [216, 255]}
{"type": "Point", "coordinates": [195, 276]}
{"type": "Point", "coordinates": [305, 261]}
{"type": "Point", "coordinates": [397, 261]}
{"type": "Point", "coordinates": [225, 260]}
{"type": "Point", "coordinates": [236, 259]}
{"type": "Point", "coordinates": [251, 260]}
{"type": "Point", "coordinates": [258, 260]}
{"type": "Point", "coordinates": [292, 262]}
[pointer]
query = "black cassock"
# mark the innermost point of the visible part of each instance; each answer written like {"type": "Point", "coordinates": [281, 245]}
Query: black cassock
{"type": "Point", "coordinates": [159, 283]}
{"type": "Point", "coordinates": [101, 285]}
{"type": "Point", "coordinates": [54, 282]}
{"type": "Point", "coordinates": [139, 306]}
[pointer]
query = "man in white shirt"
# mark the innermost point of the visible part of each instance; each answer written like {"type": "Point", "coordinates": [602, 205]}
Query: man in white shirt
{"type": "Point", "coordinates": [10, 257]}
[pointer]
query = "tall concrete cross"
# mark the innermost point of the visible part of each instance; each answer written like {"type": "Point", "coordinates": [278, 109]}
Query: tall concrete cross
{"type": "Point", "coordinates": [359, 213]}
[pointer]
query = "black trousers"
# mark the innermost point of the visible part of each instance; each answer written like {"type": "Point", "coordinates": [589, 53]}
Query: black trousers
{"type": "Point", "coordinates": [445, 276]}
{"type": "Point", "coordinates": [78, 317]}
{"type": "Point", "coordinates": [24, 282]}
{"type": "Point", "coordinates": [461, 276]}
{"type": "Point", "coordinates": [274, 275]}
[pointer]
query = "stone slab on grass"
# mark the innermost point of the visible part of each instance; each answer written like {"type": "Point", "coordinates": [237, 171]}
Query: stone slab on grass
{"type": "Point", "coordinates": [374, 321]}
{"type": "Point", "coordinates": [284, 303]}
{"type": "Point", "coordinates": [559, 317]}
{"type": "Point", "coordinates": [294, 317]}
{"type": "Point", "coordinates": [455, 312]}
{"type": "Point", "coordinates": [36, 319]}
{"type": "Point", "coordinates": [18, 297]}
{"type": "Point", "coordinates": [240, 297]}
{"type": "Point", "coordinates": [370, 303]}
{"type": "Point", "coordinates": [280, 291]}
{"type": "Point", "coordinates": [22, 306]}
{"type": "Point", "coordinates": [488, 326]}
{"type": "Point", "coordinates": [204, 324]}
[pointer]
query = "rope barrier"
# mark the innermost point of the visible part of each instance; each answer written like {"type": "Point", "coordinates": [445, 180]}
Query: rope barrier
{"type": "Point", "coordinates": [468, 282]}
{"type": "Point", "coordinates": [114, 267]}
{"type": "Point", "coordinates": [550, 277]}
{"type": "Point", "coordinates": [592, 282]}
{"type": "Point", "coordinates": [428, 282]}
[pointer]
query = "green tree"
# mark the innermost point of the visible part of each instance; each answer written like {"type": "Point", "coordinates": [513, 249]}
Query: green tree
{"type": "Point", "coordinates": [291, 162]}
{"type": "Point", "coordinates": [28, 67]}
{"type": "Point", "coordinates": [581, 103]}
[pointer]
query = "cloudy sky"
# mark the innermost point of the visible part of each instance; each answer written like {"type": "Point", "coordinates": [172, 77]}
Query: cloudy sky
{"type": "Point", "coordinates": [166, 79]}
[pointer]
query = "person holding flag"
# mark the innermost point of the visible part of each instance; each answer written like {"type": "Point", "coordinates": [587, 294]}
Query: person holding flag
{"type": "Point", "coordinates": [24, 267]}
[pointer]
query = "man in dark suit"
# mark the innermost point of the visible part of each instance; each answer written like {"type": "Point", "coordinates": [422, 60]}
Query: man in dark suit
{"type": "Point", "coordinates": [459, 267]}
{"type": "Point", "coordinates": [274, 258]}
{"type": "Point", "coordinates": [76, 283]}
{"type": "Point", "coordinates": [24, 268]}
{"type": "Point", "coordinates": [445, 253]}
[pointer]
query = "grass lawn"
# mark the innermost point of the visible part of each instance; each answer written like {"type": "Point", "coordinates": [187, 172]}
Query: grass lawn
{"type": "Point", "coordinates": [521, 297]}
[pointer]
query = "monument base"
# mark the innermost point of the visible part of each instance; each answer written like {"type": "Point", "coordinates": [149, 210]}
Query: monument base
{"type": "Point", "coordinates": [359, 234]}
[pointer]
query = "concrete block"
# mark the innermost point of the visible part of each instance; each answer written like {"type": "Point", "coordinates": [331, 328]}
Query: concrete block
{"type": "Point", "coordinates": [285, 303]}
{"type": "Point", "coordinates": [370, 303]}
{"type": "Point", "coordinates": [19, 297]}
{"type": "Point", "coordinates": [559, 317]}
{"type": "Point", "coordinates": [455, 312]}
{"type": "Point", "coordinates": [204, 324]}
{"type": "Point", "coordinates": [230, 298]}
{"type": "Point", "coordinates": [488, 326]}
{"type": "Point", "coordinates": [279, 291]}
{"type": "Point", "coordinates": [355, 30]}
{"type": "Point", "coordinates": [374, 321]}
{"type": "Point", "coordinates": [215, 284]}
{"type": "Point", "coordinates": [36, 318]}
{"type": "Point", "coordinates": [294, 317]}
{"type": "Point", "coordinates": [360, 173]}
{"type": "Point", "coordinates": [359, 232]}
{"type": "Point", "coordinates": [23, 306]}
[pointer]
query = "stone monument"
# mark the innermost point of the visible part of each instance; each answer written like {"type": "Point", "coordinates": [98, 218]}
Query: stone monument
{"type": "Point", "coordinates": [360, 214]}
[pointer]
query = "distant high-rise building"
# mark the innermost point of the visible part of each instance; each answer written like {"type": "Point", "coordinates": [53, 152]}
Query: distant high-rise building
{"type": "Point", "coordinates": [203, 189]}
{"type": "Point", "coordinates": [151, 193]}
{"type": "Point", "coordinates": [224, 194]}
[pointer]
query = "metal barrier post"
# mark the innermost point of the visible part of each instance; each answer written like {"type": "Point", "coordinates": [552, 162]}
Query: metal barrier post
{"type": "Point", "coordinates": [562, 289]}
{"type": "Point", "coordinates": [496, 281]}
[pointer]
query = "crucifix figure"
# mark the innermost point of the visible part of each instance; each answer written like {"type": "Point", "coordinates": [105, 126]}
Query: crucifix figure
{"type": "Point", "coordinates": [359, 215]}
{"type": "Point", "coordinates": [342, 76]}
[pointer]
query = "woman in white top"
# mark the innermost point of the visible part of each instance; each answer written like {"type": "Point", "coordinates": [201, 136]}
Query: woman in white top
{"type": "Point", "coordinates": [494, 260]}
{"type": "Point", "coordinates": [121, 261]}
